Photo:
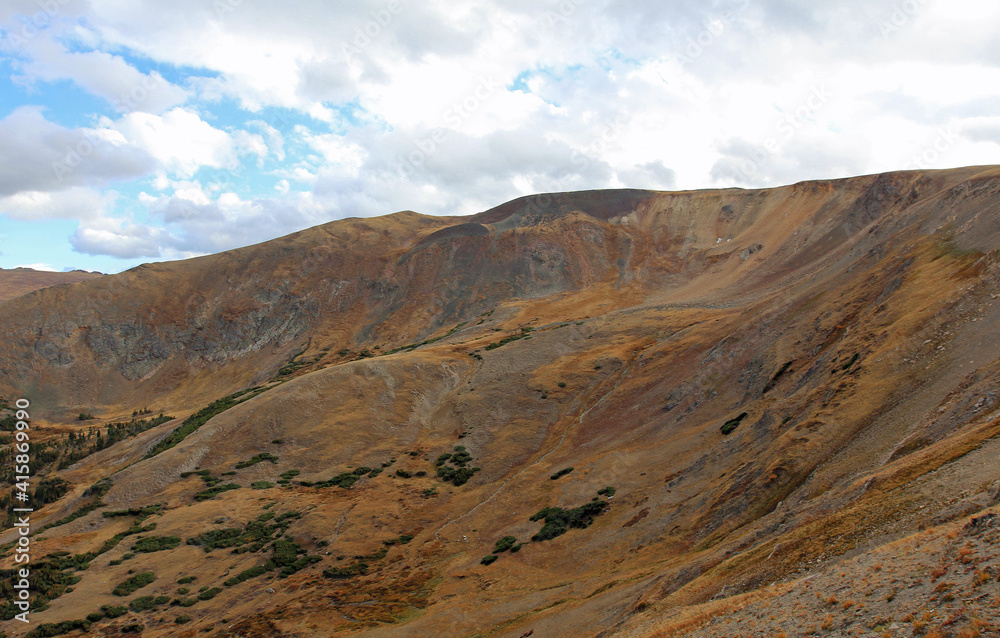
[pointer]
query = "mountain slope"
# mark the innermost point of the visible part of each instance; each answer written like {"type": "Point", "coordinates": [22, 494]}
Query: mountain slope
{"type": "Point", "coordinates": [20, 281]}
{"type": "Point", "coordinates": [770, 381]}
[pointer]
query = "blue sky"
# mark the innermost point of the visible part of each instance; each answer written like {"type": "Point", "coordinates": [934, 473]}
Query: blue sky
{"type": "Point", "coordinates": [144, 131]}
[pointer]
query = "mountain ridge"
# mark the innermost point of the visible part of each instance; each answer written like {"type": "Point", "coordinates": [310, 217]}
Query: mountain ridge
{"type": "Point", "coordinates": [756, 387]}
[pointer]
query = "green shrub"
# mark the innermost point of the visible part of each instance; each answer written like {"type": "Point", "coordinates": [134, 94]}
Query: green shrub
{"type": "Point", "coordinates": [731, 425]}
{"type": "Point", "coordinates": [187, 602]}
{"type": "Point", "coordinates": [133, 628]}
{"type": "Point", "coordinates": [525, 332]}
{"type": "Point", "coordinates": [162, 600]}
{"type": "Point", "coordinates": [358, 568]}
{"type": "Point", "coordinates": [94, 616]}
{"type": "Point", "coordinates": [142, 603]}
{"type": "Point", "coordinates": [504, 544]}
{"type": "Point", "coordinates": [558, 520]}
{"type": "Point", "coordinates": [607, 491]}
{"type": "Point", "coordinates": [209, 594]}
{"type": "Point", "coordinates": [213, 491]}
{"type": "Point", "coordinates": [561, 384]}
{"type": "Point", "coordinates": [257, 458]}
{"type": "Point", "coordinates": [201, 417]}
{"type": "Point", "coordinates": [180, 620]}
{"type": "Point", "coordinates": [350, 571]}
{"type": "Point", "coordinates": [441, 459]}
{"type": "Point", "coordinates": [114, 611]}
{"type": "Point", "coordinates": [142, 512]}
{"type": "Point", "coordinates": [850, 363]}
{"type": "Point", "coordinates": [343, 480]}
{"type": "Point", "coordinates": [50, 490]}
{"type": "Point", "coordinates": [57, 629]}
{"type": "Point", "coordinates": [561, 473]}
{"type": "Point", "coordinates": [785, 369]}
{"type": "Point", "coordinates": [247, 574]}
{"type": "Point", "coordinates": [133, 583]}
{"type": "Point", "coordinates": [403, 474]}
{"type": "Point", "coordinates": [402, 540]}
{"type": "Point", "coordinates": [185, 580]}
{"type": "Point", "coordinates": [262, 485]}
{"type": "Point", "coordinates": [488, 559]}
{"type": "Point", "coordinates": [156, 544]}
{"type": "Point", "coordinates": [458, 476]}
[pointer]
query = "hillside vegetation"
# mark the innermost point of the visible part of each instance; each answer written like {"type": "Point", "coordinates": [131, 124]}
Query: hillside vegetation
{"type": "Point", "coordinates": [609, 413]}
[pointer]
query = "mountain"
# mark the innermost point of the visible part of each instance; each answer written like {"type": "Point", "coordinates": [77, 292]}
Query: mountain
{"type": "Point", "coordinates": [19, 281]}
{"type": "Point", "coordinates": [606, 413]}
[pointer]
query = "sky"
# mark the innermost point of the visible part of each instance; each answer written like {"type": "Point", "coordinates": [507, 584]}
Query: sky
{"type": "Point", "coordinates": [134, 131]}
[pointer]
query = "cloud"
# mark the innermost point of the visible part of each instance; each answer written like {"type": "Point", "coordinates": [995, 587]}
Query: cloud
{"type": "Point", "coordinates": [652, 175]}
{"type": "Point", "coordinates": [73, 203]}
{"type": "Point", "coordinates": [983, 129]}
{"type": "Point", "coordinates": [809, 155]}
{"type": "Point", "coordinates": [119, 238]}
{"type": "Point", "coordinates": [107, 76]}
{"type": "Point", "coordinates": [179, 140]}
{"type": "Point", "coordinates": [39, 155]}
{"type": "Point", "coordinates": [39, 266]}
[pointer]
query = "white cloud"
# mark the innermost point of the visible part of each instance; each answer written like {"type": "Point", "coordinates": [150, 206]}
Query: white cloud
{"type": "Point", "coordinates": [179, 140]}
{"type": "Point", "coordinates": [73, 203]}
{"type": "Point", "coordinates": [38, 155]}
{"type": "Point", "coordinates": [118, 237]}
{"type": "Point", "coordinates": [272, 137]}
{"type": "Point", "coordinates": [301, 174]}
{"type": "Point", "coordinates": [39, 266]}
{"type": "Point", "coordinates": [983, 129]}
{"type": "Point", "coordinates": [107, 76]}
{"type": "Point", "coordinates": [198, 226]}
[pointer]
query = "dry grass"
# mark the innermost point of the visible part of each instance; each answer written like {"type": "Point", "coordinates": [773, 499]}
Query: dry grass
{"type": "Point", "coordinates": [827, 623]}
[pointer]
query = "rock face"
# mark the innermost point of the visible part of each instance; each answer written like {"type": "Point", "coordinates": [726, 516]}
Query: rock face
{"type": "Point", "coordinates": [770, 382]}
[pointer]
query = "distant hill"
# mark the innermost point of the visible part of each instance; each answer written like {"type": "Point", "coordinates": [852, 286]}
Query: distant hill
{"type": "Point", "coordinates": [20, 281]}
